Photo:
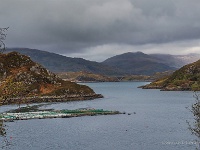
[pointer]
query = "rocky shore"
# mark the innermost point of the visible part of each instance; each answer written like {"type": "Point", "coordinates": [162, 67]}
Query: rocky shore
{"type": "Point", "coordinates": [168, 88]}
{"type": "Point", "coordinates": [41, 99]}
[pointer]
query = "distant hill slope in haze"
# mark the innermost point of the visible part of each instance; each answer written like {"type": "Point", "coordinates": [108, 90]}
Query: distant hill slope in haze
{"type": "Point", "coordinates": [58, 63]}
{"type": "Point", "coordinates": [138, 63]}
{"type": "Point", "coordinates": [83, 76]}
{"type": "Point", "coordinates": [177, 61]}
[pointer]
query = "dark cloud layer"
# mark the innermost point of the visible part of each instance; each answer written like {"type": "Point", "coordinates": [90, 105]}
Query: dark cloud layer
{"type": "Point", "coordinates": [74, 26]}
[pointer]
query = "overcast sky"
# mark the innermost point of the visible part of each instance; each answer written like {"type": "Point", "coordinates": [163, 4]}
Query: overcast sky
{"type": "Point", "coordinates": [98, 29]}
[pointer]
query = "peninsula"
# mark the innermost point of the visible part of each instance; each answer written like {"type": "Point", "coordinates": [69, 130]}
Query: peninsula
{"type": "Point", "coordinates": [23, 81]}
{"type": "Point", "coordinates": [186, 78]}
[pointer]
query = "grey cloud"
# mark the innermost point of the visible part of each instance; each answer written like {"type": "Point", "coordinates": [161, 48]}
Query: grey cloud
{"type": "Point", "coordinates": [71, 26]}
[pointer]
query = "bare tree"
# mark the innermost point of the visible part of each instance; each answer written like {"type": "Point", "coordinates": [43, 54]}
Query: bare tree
{"type": "Point", "coordinates": [5, 143]}
{"type": "Point", "coordinates": [2, 38]}
{"type": "Point", "coordinates": [195, 127]}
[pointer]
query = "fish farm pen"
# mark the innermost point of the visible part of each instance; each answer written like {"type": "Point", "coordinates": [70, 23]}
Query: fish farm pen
{"type": "Point", "coordinates": [9, 116]}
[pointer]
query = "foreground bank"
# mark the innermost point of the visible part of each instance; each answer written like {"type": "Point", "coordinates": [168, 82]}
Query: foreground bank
{"type": "Point", "coordinates": [44, 99]}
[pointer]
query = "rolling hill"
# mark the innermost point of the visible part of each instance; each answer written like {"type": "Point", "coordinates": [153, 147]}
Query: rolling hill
{"type": "Point", "coordinates": [121, 65]}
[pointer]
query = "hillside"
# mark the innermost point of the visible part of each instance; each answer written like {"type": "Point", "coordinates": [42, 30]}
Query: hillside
{"type": "Point", "coordinates": [137, 63]}
{"type": "Point", "coordinates": [23, 80]}
{"type": "Point", "coordinates": [186, 78]}
{"type": "Point", "coordinates": [58, 63]}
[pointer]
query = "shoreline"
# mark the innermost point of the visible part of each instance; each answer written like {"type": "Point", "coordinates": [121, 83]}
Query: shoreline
{"type": "Point", "coordinates": [112, 81]}
{"type": "Point", "coordinates": [42, 99]}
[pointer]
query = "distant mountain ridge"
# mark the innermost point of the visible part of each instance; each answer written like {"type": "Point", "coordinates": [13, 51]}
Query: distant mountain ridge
{"type": "Point", "coordinates": [58, 63]}
{"type": "Point", "coordinates": [148, 64]}
{"type": "Point", "coordinates": [138, 63]}
{"type": "Point", "coordinates": [120, 65]}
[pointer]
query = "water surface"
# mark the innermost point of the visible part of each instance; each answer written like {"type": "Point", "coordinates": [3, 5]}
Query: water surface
{"type": "Point", "coordinates": [157, 121]}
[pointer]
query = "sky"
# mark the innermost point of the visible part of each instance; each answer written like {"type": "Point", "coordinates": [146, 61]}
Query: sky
{"type": "Point", "coordinates": [98, 29]}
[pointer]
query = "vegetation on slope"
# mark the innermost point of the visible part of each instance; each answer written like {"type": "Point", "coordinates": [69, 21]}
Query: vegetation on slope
{"type": "Point", "coordinates": [186, 78]}
{"type": "Point", "coordinates": [84, 76]}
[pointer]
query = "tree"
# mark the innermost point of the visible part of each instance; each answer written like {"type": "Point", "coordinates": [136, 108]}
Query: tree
{"type": "Point", "coordinates": [2, 38]}
{"type": "Point", "coordinates": [5, 143]}
{"type": "Point", "coordinates": [195, 128]}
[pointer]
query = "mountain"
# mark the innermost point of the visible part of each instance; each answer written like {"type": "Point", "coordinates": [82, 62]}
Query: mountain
{"type": "Point", "coordinates": [186, 78]}
{"type": "Point", "coordinates": [138, 63]}
{"type": "Point", "coordinates": [23, 80]}
{"type": "Point", "coordinates": [58, 63]}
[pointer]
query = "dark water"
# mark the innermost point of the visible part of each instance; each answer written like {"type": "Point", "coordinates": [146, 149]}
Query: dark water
{"type": "Point", "coordinates": [159, 122]}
